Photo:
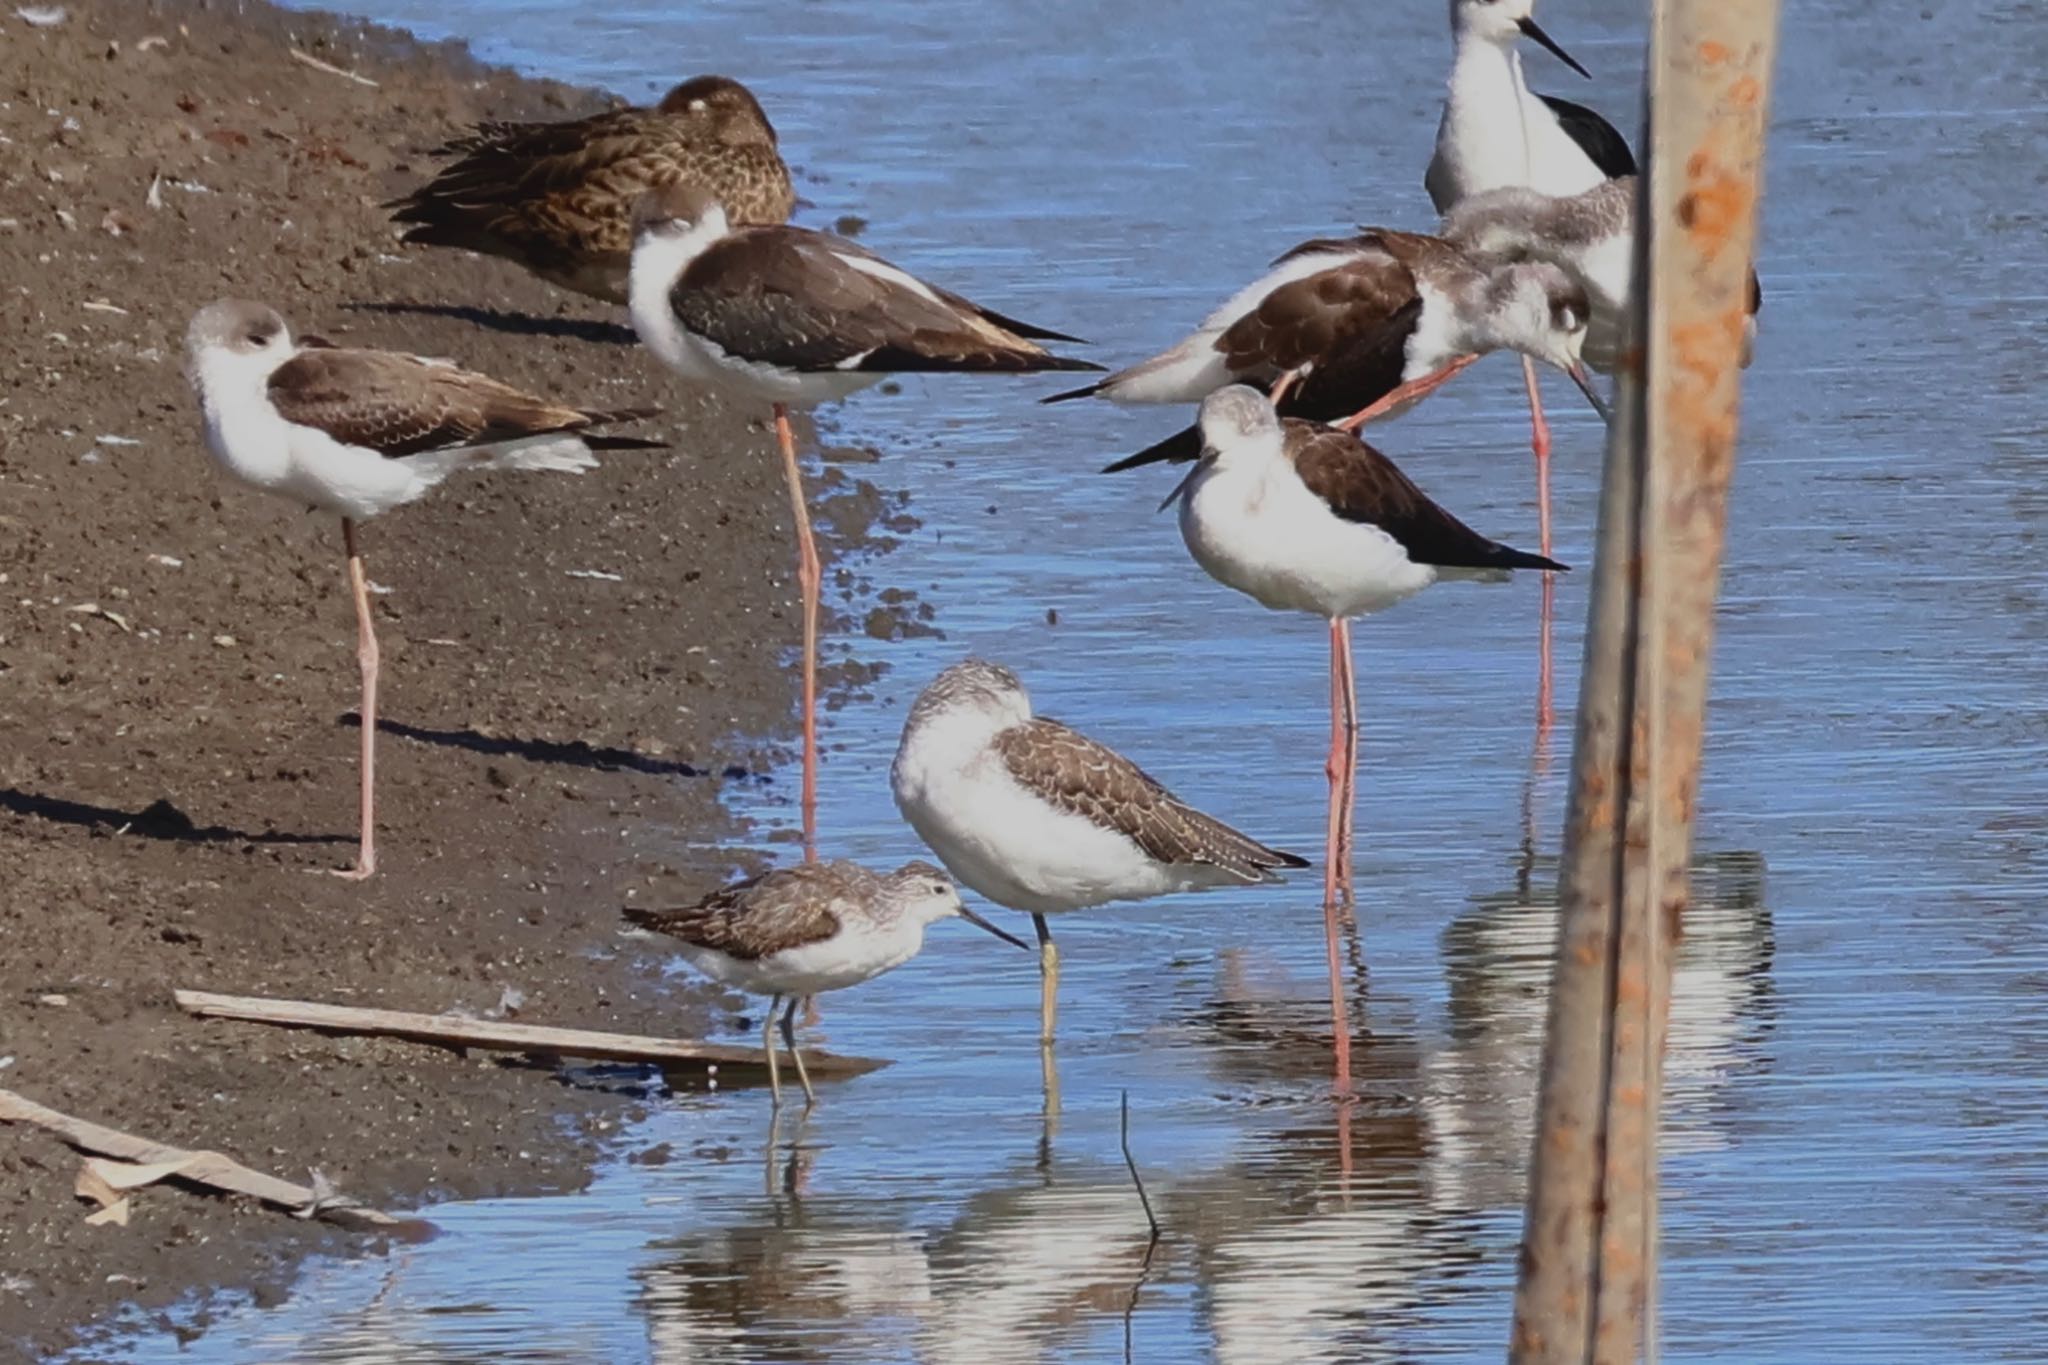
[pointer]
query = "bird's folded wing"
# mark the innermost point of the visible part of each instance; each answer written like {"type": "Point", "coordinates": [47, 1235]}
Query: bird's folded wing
{"type": "Point", "coordinates": [1307, 321]}
{"type": "Point", "coordinates": [1072, 772]}
{"type": "Point", "coordinates": [398, 404]}
{"type": "Point", "coordinates": [806, 301]}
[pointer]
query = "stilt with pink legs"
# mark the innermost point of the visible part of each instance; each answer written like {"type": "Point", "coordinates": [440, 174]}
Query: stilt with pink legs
{"type": "Point", "coordinates": [357, 432]}
{"type": "Point", "coordinates": [787, 315]}
{"type": "Point", "coordinates": [1303, 517]}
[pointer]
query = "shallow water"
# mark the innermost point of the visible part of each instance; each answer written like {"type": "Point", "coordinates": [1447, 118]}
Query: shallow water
{"type": "Point", "coordinates": [1856, 1124]}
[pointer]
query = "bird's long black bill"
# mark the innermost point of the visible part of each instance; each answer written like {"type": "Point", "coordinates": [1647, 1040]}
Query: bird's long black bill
{"type": "Point", "coordinates": [1535, 32]}
{"type": "Point", "coordinates": [1585, 383]}
{"type": "Point", "coordinates": [1180, 489]}
{"type": "Point", "coordinates": [1004, 934]}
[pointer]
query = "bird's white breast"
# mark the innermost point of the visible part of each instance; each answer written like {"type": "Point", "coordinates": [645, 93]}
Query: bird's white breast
{"type": "Point", "coordinates": [1261, 531]}
{"type": "Point", "coordinates": [1006, 843]}
{"type": "Point", "coordinates": [1495, 133]}
{"type": "Point", "coordinates": [257, 446]}
{"type": "Point", "coordinates": [859, 952]}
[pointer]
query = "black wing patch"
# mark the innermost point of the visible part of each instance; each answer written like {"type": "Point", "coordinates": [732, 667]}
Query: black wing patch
{"type": "Point", "coordinates": [1597, 138]}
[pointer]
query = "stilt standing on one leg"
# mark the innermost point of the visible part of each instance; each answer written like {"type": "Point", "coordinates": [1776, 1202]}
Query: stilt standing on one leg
{"type": "Point", "coordinates": [1336, 852]}
{"type": "Point", "coordinates": [366, 660]}
{"type": "Point", "coordinates": [810, 582]}
{"type": "Point", "coordinates": [1539, 441]}
{"type": "Point", "coordinates": [1347, 845]}
{"type": "Point", "coordinates": [1333, 769]}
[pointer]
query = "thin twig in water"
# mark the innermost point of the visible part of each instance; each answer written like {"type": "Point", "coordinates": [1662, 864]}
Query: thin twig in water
{"type": "Point", "coordinates": [1145, 1266]}
{"type": "Point", "coordinates": [1124, 1138]}
{"type": "Point", "coordinates": [307, 59]}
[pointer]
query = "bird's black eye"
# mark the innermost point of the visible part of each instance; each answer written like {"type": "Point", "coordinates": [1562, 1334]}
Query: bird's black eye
{"type": "Point", "coordinates": [938, 888]}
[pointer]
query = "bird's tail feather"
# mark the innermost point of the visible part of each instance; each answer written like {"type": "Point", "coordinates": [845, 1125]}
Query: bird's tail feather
{"type": "Point", "coordinates": [1179, 448]}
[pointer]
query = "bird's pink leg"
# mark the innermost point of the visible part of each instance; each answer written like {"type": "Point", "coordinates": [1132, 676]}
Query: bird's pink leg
{"type": "Point", "coordinates": [1405, 393]}
{"type": "Point", "coordinates": [1543, 655]}
{"type": "Point", "coordinates": [366, 660]}
{"type": "Point", "coordinates": [1340, 1018]}
{"type": "Point", "coordinates": [810, 580]}
{"type": "Point", "coordinates": [1539, 441]}
{"type": "Point", "coordinates": [1333, 769]}
{"type": "Point", "coordinates": [1348, 697]}
{"type": "Point", "coordinates": [1282, 385]}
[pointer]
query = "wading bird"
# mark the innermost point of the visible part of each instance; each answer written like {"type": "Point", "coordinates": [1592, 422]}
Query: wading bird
{"type": "Point", "coordinates": [801, 931]}
{"type": "Point", "coordinates": [358, 432]}
{"type": "Point", "coordinates": [1041, 818]}
{"type": "Point", "coordinates": [788, 316]}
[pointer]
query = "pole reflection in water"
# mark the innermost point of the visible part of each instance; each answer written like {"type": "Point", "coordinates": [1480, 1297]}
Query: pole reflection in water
{"type": "Point", "coordinates": [1497, 963]}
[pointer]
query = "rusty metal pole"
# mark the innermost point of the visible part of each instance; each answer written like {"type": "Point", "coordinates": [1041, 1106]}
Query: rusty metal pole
{"type": "Point", "coordinates": [1587, 1285]}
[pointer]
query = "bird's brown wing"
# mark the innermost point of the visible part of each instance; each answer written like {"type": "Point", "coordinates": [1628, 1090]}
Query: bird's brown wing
{"type": "Point", "coordinates": [398, 404]}
{"type": "Point", "coordinates": [788, 908]}
{"type": "Point", "coordinates": [1359, 484]}
{"type": "Point", "coordinates": [1310, 320]}
{"type": "Point", "coordinates": [809, 301]}
{"type": "Point", "coordinates": [1067, 769]}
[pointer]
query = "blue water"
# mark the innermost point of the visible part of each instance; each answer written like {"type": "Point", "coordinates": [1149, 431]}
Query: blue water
{"type": "Point", "coordinates": [1856, 1122]}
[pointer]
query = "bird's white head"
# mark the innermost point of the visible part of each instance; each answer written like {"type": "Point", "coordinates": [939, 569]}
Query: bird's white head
{"type": "Point", "coordinates": [1539, 309]}
{"type": "Point", "coordinates": [1536, 308]}
{"type": "Point", "coordinates": [677, 212]}
{"type": "Point", "coordinates": [924, 892]}
{"type": "Point", "coordinates": [1237, 423]}
{"type": "Point", "coordinates": [234, 342]}
{"type": "Point", "coordinates": [672, 226]}
{"type": "Point", "coordinates": [925, 895]}
{"type": "Point", "coordinates": [974, 686]}
{"type": "Point", "coordinates": [1504, 22]}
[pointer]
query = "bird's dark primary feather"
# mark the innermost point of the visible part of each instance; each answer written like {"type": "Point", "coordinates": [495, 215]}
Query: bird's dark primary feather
{"type": "Point", "coordinates": [1597, 138]}
{"type": "Point", "coordinates": [1361, 485]}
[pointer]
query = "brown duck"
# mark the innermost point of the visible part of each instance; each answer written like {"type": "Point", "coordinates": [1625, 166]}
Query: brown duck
{"type": "Point", "coordinates": [558, 198]}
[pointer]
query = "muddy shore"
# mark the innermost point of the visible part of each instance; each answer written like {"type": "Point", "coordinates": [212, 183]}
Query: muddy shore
{"type": "Point", "coordinates": [576, 670]}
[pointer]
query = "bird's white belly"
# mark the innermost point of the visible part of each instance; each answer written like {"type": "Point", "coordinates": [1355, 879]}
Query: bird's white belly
{"type": "Point", "coordinates": [1008, 845]}
{"type": "Point", "coordinates": [777, 385]}
{"type": "Point", "coordinates": [306, 465]}
{"type": "Point", "coordinates": [1280, 545]}
{"type": "Point", "coordinates": [847, 959]}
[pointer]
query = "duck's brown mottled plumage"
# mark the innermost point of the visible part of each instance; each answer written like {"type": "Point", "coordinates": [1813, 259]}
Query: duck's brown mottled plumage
{"type": "Point", "coordinates": [1071, 771]}
{"type": "Point", "coordinates": [558, 198]}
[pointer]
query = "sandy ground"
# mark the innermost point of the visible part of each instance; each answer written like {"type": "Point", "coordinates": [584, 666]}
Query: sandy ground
{"type": "Point", "coordinates": [177, 679]}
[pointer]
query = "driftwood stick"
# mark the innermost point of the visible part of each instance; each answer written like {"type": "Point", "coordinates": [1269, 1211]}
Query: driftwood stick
{"type": "Point", "coordinates": [308, 59]}
{"type": "Point", "coordinates": [209, 1169]}
{"type": "Point", "coordinates": [500, 1036]}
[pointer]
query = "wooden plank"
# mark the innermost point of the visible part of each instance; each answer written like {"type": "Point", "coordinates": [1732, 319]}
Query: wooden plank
{"type": "Point", "coordinates": [205, 1168]}
{"type": "Point", "coordinates": [503, 1036]}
